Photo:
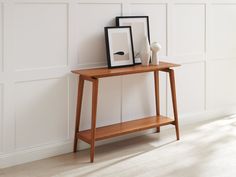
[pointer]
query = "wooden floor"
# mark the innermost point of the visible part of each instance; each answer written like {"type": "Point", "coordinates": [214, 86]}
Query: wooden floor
{"type": "Point", "coordinates": [206, 149]}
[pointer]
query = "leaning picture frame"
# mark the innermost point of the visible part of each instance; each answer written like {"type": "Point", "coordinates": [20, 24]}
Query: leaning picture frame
{"type": "Point", "coordinates": [119, 46]}
{"type": "Point", "coordinates": [140, 30]}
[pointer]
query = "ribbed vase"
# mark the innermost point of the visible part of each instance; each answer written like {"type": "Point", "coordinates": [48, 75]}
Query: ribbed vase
{"type": "Point", "coordinates": [145, 53]}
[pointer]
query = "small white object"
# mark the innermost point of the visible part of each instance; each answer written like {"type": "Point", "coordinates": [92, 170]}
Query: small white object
{"type": "Point", "coordinates": [145, 53]}
{"type": "Point", "coordinates": [155, 47]}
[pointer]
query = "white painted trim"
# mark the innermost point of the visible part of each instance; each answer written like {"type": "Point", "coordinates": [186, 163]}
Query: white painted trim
{"type": "Point", "coordinates": [41, 1]}
{"type": "Point", "coordinates": [19, 157]}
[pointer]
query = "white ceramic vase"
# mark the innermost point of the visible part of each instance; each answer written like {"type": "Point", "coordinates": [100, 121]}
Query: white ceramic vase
{"type": "Point", "coordinates": [145, 53]}
{"type": "Point", "coordinates": [155, 47]}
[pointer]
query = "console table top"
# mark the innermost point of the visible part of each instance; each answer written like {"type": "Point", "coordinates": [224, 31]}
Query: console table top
{"type": "Point", "coordinates": [106, 72]}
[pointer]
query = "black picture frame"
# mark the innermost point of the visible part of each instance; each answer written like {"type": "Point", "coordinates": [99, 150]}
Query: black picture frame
{"type": "Point", "coordinates": [130, 21]}
{"type": "Point", "coordinates": [119, 46]}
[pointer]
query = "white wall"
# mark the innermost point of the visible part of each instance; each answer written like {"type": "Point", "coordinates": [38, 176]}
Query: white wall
{"type": "Point", "coordinates": [42, 40]}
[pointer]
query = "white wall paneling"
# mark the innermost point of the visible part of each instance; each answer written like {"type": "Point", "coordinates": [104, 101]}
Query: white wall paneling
{"type": "Point", "coordinates": [39, 35]}
{"type": "Point", "coordinates": [221, 84]}
{"type": "Point", "coordinates": [188, 28]}
{"type": "Point", "coordinates": [36, 46]}
{"type": "Point", "coordinates": [138, 96]}
{"type": "Point", "coordinates": [109, 103]}
{"type": "Point", "coordinates": [42, 40]}
{"type": "Point", "coordinates": [1, 70]}
{"type": "Point", "coordinates": [222, 31]}
{"type": "Point", "coordinates": [190, 90]}
{"type": "Point", "coordinates": [1, 117]}
{"type": "Point", "coordinates": [1, 37]}
{"type": "Point", "coordinates": [41, 112]}
{"type": "Point", "coordinates": [91, 46]}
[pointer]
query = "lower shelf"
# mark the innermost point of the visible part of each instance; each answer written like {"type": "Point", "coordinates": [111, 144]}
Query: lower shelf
{"type": "Point", "coordinates": [125, 128]}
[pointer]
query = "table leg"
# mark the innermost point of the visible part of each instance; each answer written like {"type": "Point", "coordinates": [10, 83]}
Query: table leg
{"type": "Point", "coordinates": [174, 101]}
{"type": "Point", "coordinates": [157, 95]}
{"type": "Point", "coordinates": [94, 115]}
{"type": "Point", "coordinates": [78, 110]}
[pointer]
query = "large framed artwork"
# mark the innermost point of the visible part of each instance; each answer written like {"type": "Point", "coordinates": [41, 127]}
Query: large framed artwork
{"type": "Point", "coordinates": [140, 30]}
{"type": "Point", "coordinates": [119, 45]}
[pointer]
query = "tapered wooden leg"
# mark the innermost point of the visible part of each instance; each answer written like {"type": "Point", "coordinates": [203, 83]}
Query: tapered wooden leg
{"type": "Point", "coordinates": [78, 110]}
{"type": "Point", "coordinates": [157, 95]}
{"type": "Point", "coordinates": [94, 115]}
{"type": "Point", "coordinates": [174, 101]}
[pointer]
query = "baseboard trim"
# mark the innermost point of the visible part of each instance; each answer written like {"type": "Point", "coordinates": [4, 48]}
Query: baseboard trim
{"type": "Point", "coordinates": [33, 154]}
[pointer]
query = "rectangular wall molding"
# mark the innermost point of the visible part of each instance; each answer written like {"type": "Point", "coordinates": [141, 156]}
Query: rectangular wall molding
{"type": "Point", "coordinates": [48, 112]}
{"type": "Point", "coordinates": [46, 23]}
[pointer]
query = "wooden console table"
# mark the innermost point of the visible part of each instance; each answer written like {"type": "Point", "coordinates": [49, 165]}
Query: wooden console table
{"type": "Point", "coordinates": [95, 134]}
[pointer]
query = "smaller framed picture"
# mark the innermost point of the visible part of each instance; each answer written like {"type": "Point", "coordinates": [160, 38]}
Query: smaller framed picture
{"type": "Point", "coordinates": [140, 30]}
{"type": "Point", "coordinates": [119, 45]}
